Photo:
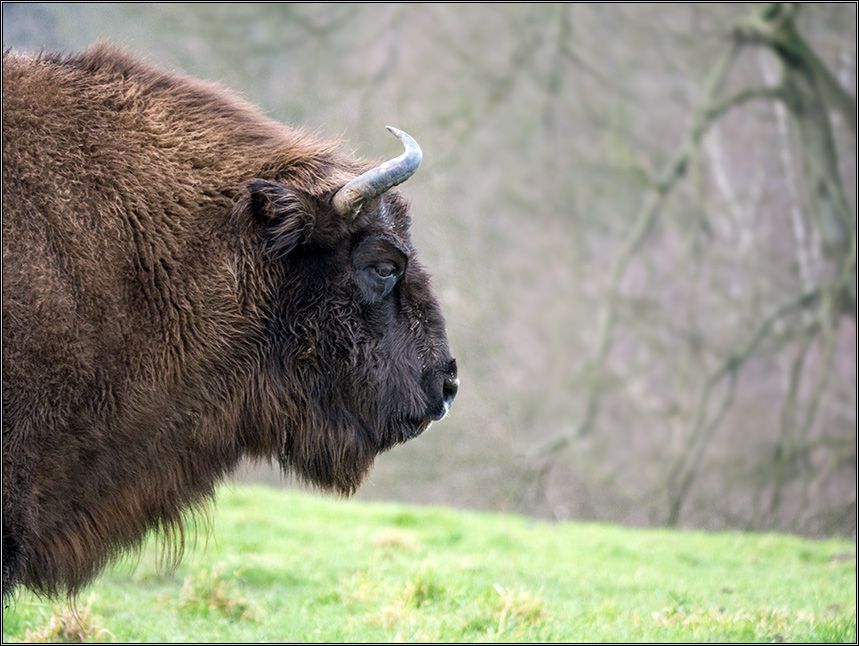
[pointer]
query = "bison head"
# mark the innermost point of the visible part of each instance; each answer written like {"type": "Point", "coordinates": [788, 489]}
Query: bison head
{"type": "Point", "coordinates": [357, 355]}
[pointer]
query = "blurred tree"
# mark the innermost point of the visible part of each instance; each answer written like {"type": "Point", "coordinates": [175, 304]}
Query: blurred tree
{"type": "Point", "coordinates": [810, 92]}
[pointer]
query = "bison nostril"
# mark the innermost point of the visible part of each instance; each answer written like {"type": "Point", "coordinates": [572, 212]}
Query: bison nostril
{"type": "Point", "coordinates": [449, 390]}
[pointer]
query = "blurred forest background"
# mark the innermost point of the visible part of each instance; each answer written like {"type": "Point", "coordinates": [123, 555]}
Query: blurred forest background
{"type": "Point", "coordinates": [641, 223]}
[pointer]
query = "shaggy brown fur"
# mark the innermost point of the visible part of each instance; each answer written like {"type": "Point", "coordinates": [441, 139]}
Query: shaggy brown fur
{"type": "Point", "coordinates": [178, 293]}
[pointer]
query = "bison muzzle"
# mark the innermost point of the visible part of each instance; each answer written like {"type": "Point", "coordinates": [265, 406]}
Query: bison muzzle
{"type": "Point", "coordinates": [186, 283]}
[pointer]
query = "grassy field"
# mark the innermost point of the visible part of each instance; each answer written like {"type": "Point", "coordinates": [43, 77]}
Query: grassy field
{"type": "Point", "coordinates": [282, 565]}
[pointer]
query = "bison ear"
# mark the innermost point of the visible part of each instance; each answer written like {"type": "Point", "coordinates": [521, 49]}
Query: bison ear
{"type": "Point", "coordinates": [285, 214]}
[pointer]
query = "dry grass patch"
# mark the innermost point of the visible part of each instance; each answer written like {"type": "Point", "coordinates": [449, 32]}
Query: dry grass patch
{"type": "Point", "coordinates": [70, 626]}
{"type": "Point", "coordinates": [209, 591]}
{"type": "Point", "coordinates": [517, 611]}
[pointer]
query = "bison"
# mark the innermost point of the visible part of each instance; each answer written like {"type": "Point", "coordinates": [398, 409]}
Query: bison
{"type": "Point", "coordinates": [187, 282]}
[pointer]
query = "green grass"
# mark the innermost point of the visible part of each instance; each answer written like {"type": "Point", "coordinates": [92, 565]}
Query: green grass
{"type": "Point", "coordinates": [282, 565]}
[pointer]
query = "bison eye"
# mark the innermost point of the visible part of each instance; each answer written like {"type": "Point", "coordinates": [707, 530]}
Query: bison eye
{"type": "Point", "coordinates": [387, 270]}
{"type": "Point", "coordinates": [379, 265]}
{"type": "Point", "coordinates": [382, 278]}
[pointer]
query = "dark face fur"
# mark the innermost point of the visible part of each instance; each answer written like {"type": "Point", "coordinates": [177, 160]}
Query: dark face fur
{"type": "Point", "coordinates": [357, 335]}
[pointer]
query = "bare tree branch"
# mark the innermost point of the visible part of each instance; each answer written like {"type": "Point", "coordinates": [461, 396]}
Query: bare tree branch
{"type": "Point", "coordinates": [683, 473]}
{"type": "Point", "coordinates": [642, 225]}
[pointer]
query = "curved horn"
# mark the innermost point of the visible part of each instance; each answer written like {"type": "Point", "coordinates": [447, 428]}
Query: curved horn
{"type": "Point", "coordinates": [348, 200]}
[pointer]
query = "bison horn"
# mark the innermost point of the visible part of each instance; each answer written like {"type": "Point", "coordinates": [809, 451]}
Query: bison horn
{"type": "Point", "coordinates": [348, 200]}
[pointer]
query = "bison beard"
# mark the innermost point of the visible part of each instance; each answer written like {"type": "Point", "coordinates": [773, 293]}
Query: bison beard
{"type": "Point", "coordinates": [187, 282]}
